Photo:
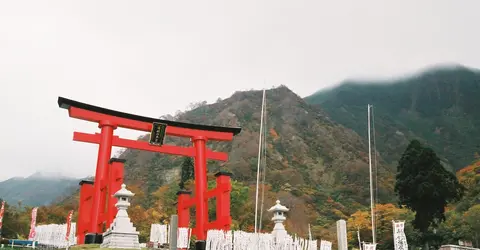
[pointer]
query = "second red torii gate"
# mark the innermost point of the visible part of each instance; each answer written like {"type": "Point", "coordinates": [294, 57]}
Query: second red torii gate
{"type": "Point", "coordinates": [108, 120]}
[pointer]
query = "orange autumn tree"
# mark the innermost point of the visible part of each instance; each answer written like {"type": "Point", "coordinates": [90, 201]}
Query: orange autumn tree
{"type": "Point", "coordinates": [472, 218]}
{"type": "Point", "coordinates": [166, 198]}
{"type": "Point", "coordinates": [467, 175]}
{"type": "Point", "coordinates": [469, 178]}
{"type": "Point", "coordinates": [385, 214]}
{"type": "Point", "coordinates": [143, 219]}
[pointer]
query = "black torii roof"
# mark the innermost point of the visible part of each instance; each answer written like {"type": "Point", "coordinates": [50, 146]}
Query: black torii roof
{"type": "Point", "coordinates": [67, 103]}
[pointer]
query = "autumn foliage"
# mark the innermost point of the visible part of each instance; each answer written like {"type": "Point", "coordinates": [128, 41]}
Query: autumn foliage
{"type": "Point", "coordinates": [385, 214]}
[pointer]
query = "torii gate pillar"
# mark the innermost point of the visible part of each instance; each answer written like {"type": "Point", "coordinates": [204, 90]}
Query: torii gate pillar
{"type": "Point", "coordinates": [108, 120]}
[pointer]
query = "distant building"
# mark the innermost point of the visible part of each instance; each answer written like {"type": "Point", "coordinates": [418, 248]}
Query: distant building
{"type": "Point", "coordinates": [456, 247]}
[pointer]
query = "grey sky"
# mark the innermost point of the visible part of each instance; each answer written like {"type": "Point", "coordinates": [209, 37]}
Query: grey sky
{"type": "Point", "coordinates": [155, 57]}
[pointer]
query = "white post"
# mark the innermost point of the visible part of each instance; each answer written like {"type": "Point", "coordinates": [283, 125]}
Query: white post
{"type": "Point", "coordinates": [372, 204]}
{"type": "Point", "coordinates": [258, 165]}
{"type": "Point", "coordinates": [173, 232]}
{"type": "Point", "coordinates": [342, 235]}
{"type": "Point", "coordinates": [359, 241]}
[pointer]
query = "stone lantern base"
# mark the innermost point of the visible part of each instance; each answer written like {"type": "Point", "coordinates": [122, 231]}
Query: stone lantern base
{"type": "Point", "coordinates": [113, 239]}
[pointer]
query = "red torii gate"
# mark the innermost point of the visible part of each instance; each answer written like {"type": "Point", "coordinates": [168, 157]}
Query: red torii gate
{"type": "Point", "coordinates": [112, 185]}
{"type": "Point", "coordinates": [108, 120]}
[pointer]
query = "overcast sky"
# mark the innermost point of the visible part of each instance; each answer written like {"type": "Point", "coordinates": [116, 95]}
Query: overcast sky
{"type": "Point", "coordinates": [155, 57]}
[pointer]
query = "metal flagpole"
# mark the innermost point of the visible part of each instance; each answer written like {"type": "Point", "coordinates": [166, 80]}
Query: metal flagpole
{"type": "Point", "coordinates": [372, 204]}
{"type": "Point", "coordinates": [264, 161]}
{"type": "Point", "coordinates": [359, 241]}
{"type": "Point", "coordinates": [258, 166]}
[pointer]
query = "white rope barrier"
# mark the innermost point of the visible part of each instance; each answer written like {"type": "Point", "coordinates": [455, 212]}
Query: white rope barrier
{"type": "Point", "coordinates": [238, 240]}
{"type": "Point", "coordinates": [53, 235]}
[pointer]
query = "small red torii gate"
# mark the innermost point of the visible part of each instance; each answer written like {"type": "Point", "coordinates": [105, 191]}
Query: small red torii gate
{"type": "Point", "coordinates": [114, 183]}
{"type": "Point", "coordinates": [104, 185]}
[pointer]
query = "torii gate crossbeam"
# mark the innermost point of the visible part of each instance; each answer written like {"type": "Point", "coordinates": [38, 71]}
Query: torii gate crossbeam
{"type": "Point", "coordinates": [108, 120]}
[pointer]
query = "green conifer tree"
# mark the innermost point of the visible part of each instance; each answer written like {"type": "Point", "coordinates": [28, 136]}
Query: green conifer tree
{"type": "Point", "coordinates": [187, 172]}
{"type": "Point", "coordinates": [425, 186]}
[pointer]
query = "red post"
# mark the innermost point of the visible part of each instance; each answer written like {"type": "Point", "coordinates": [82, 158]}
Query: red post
{"type": "Point", "coordinates": [109, 120]}
{"type": "Point", "coordinates": [200, 170]}
{"type": "Point", "coordinates": [102, 218]}
{"type": "Point", "coordinates": [183, 210]}
{"type": "Point", "coordinates": [84, 210]}
{"type": "Point", "coordinates": [104, 152]}
{"type": "Point", "coordinates": [115, 182]}
{"type": "Point", "coordinates": [224, 188]}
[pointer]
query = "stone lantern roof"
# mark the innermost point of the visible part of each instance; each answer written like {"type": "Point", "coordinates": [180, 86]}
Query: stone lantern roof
{"type": "Point", "coordinates": [278, 207]}
{"type": "Point", "coordinates": [123, 192]}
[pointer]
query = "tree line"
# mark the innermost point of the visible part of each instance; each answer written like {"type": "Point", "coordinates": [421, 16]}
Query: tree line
{"type": "Point", "coordinates": [438, 207]}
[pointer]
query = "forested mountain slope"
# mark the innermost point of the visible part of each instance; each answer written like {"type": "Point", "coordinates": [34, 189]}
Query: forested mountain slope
{"type": "Point", "coordinates": [438, 106]}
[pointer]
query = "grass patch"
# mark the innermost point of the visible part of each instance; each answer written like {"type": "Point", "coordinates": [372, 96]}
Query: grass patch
{"type": "Point", "coordinates": [92, 247]}
{"type": "Point", "coordinates": [86, 246]}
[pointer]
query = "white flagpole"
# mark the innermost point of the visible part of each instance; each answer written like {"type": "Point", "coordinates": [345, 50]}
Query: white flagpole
{"type": "Point", "coordinates": [258, 165]}
{"type": "Point", "coordinates": [359, 241]}
{"type": "Point", "coordinates": [372, 202]}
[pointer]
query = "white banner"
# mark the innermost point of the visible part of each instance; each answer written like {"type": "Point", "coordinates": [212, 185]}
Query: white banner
{"type": "Point", "coordinates": [399, 237]}
{"type": "Point", "coordinates": [369, 246]}
{"type": "Point", "coordinates": [239, 240]}
{"type": "Point", "coordinates": [159, 233]}
{"type": "Point", "coordinates": [53, 235]}
{"type": "Point", "coordinates": [325, 245]}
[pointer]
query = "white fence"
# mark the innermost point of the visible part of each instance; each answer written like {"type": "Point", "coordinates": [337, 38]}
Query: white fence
{"type": "Point", "coordinates": [53, 235]}
{"type": "Point", "coordinates": [159, 233]}
{"type": "Point", "coordinates": [238, 240]}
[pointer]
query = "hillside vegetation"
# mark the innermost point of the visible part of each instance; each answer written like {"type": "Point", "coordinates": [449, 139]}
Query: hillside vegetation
{"type": "Point", "coordinates": [316, 167]}
{"type": "Point", "coordinates": [438, 106]}
{"type": "Point", "coordinates": [317, 155]}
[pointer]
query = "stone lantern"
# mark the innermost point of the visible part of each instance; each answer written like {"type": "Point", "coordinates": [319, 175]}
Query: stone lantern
{"type": "Point", "coordinates": [122, 233]}
{"type": "Point", "coordinates": [279, 217]}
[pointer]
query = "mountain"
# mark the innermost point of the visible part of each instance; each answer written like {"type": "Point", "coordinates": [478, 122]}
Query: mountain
{"type": "Point", "coordinates": [38, 189]}
{"type": "Point", "coordinates": [437, 106]}
{"type": "Point", "coordinates": [317, 154]}
{"type": "Point", "coordinates": [316, 167]}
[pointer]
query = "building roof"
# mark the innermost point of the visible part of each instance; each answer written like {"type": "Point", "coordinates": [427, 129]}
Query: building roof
{"type": "Point", "coordinates": [67, 103]}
